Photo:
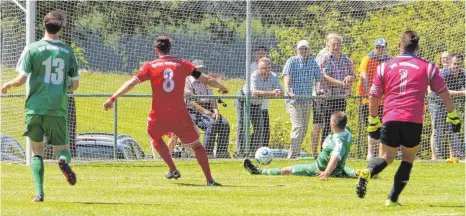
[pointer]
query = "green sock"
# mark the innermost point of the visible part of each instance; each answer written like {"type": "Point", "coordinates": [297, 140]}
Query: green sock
{"type": "Point", "coordinates": [37, 165]}
{"type": "Point", "coordinates": [273, 171]}
{"type": "Point", "coordinates": [66, 154]}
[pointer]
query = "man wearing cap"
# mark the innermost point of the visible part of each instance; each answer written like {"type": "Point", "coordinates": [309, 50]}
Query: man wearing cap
{"type": "Point", "coordinates": [367, 70]}
{"type": "Point", "coordinates": [206, 116]}
{"type": "Point", "coordinates": [299, 72]}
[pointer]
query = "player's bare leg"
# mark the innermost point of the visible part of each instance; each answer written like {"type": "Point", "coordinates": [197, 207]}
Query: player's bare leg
{"type": "Point", "coordinates": [162, 148]}
{"type": "Point", "coordinates": [203, 160]}
{"type": "Point", "coordinates": [402, 175]}
{"type": "Point", "coordinates": [37, 166]}
{"type": "Point", "coordinates": [172, 143]}
{"type": "Point", "coordinates": [376, 165]}
{"type": "Point", "coordinates": [63, 155]}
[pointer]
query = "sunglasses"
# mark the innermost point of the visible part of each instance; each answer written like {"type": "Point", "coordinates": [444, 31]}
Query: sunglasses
{"type": "Point", "coordinates": [379, 47]}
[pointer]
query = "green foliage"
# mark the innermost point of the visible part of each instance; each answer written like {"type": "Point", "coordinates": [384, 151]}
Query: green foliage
{"type": "Point", "coordinates": [440, 25]}
{"type": "Point", "coordinates": [79, 52]}
{"type": "Point", "coordinates": [280, 128]}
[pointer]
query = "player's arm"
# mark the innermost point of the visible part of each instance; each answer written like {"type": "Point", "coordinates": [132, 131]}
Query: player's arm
{"type": "Point", "coordinates": [210, 81]}
{"type": "Point", "coordinates": [334, 159]}
{"type": "Point", "coordinates": [446, 99]}
{"type": "Point", "coordinates": [332, 164]}
{"type": "Point", "coordinates": [74, 85]}
{"type": "Point", "coordinates": [375, 93]}
{"type": "Point", "coordinates": [74, 74]}
{"type": "Point", "coordinates": [121, 91]}
{"type": "Point", "coordinates": [24, 68]}
{"type": "Point", "coordinates": [457, 93]}
{"type": "Point", "coordinates": [17, 81]}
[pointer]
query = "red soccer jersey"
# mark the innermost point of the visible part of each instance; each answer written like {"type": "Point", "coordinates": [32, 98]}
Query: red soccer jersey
{"type": "Point", "coordinates": [403, 82]}
{"type": "Point", "coordinates": [167, 75]}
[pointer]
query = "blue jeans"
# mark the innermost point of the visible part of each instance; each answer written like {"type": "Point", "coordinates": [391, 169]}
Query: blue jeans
{"type": "Point", "coordinates": [214, 131]}
{"type": "Point", "coordinates": [442, 131]}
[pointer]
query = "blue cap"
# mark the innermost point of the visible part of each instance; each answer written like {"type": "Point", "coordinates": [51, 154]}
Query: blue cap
{"type": "Point", "coordinates": [380, 42]}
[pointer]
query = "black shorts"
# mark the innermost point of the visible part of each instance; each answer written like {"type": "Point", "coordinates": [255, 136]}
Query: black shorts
{"type": "Point", "coordinates": [397, 133]}
{"type": "Point", "coordinates": [364, 114]}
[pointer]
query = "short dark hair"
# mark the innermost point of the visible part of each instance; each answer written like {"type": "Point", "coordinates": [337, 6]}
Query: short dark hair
{"type": "Point", "coordinates": [163, 43]}
{"type": "Point", "coordinates": [340, 120]}
{"type": "Point", "coordinates": [409, 41]}
{"type": "Point", "coordinates": [54, 21]}
{"type": "Point", "coordinates": [259, 48]}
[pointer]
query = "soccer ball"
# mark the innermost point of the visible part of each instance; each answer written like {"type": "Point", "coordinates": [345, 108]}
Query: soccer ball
{"type": "Point", "coordinates": [263, 155]}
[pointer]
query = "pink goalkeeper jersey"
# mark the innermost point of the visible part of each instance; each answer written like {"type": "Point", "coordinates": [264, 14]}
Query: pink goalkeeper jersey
{"type": "Point", "coordinates": [403, 81]}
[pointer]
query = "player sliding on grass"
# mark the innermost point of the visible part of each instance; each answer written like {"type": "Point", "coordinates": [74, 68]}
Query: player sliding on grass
{"type": "Point", "coordinates": [330, 162]}
{"type": "Point", "coordinates": [167, 75]}
{"type": "Point", "coordinates": [403, 82]}
{"type": "Point", "coordinates": [50, 65]}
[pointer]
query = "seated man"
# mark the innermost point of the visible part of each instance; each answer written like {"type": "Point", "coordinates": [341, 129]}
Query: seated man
{"type": "Point", "coordinates": [206, 116]}
{"type": "Point", "coordinates": [331, 160]}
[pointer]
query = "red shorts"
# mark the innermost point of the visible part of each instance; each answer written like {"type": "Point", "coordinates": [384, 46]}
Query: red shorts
{"type": "Point", "coordinates": [183, 128]}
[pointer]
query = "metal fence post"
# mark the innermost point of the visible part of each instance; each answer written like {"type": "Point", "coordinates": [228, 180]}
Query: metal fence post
{"type": "Point", "coordinates": [30, 38]}
{"type": "Point", "coordinates": [360, 128]}
{"type": "Point", "coordinates": [115, 130]}
{"type": "Point", "coordinates": [247, 102]}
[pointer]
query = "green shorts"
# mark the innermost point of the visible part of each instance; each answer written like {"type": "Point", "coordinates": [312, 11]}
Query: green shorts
{"type": "Point", "coordinates": [55, 128]}
{"type": "Point", "coordinates": [311, 170]}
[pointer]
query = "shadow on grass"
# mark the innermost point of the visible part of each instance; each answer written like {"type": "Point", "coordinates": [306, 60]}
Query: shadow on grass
{"type": "Point", "coordinates": [114, 203]}
{"type": "Point", "coordinates": [238, 186]}
{"type": "Point", "coordinates": [447, 206]}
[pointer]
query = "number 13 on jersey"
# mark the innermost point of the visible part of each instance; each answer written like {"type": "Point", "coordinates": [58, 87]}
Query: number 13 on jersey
{"type": "Point", "coordinates": [57, 76]}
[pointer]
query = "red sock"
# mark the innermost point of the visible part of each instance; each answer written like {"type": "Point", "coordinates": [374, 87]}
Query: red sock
{"type": "Point", "coordinates": [164, 153]}
{"type": "Point", "coordinates": [202, 159]}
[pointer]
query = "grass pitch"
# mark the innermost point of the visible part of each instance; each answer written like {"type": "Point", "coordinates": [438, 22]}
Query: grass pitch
{"type": "Point", "coordinates": [139, 188]}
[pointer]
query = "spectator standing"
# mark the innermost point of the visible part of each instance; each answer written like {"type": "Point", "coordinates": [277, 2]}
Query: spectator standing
{"type": "Point", "coordinates": [317, 116]}
{"type": "Point", "coordinates": [455, 80]}
{"type": "Point", "coordinates": [443, 63]}
{"type": "Point", "coordinates": [298, 74]}
{"type": "Point", "coordinates": [367, 71]}
{"type": "Point", "coordinates": [338, 72]}
{"type": "Point", "coordinates": [260, 116]}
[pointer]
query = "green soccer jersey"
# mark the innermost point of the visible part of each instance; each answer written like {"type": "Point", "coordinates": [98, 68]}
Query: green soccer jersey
{"type": "Point", "coordinates": [50, 65]}
{"type": "Point", "coordinates": [338, 145]}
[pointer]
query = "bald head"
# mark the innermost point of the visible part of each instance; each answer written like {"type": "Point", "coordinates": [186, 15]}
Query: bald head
{"type": "Point", "coordinates": [338, 121]}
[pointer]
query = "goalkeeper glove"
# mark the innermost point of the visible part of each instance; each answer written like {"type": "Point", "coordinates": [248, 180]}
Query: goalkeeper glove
{"type": "Point", "coordinates": [374, 127]}
{"type": "Point", "coordinates": [454, 120]}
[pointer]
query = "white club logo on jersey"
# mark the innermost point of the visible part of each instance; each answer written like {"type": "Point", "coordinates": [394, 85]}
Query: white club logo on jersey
{"type": "Point", "coordinates": [374, 90]}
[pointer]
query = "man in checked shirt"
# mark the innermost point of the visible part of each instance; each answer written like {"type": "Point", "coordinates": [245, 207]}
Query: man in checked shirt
{"type": "Point", "coordinates": [337, 69]}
